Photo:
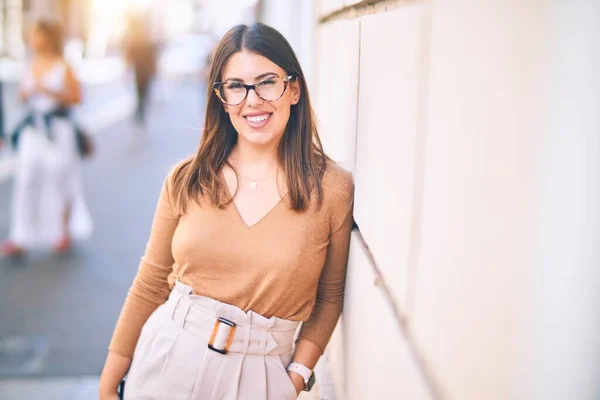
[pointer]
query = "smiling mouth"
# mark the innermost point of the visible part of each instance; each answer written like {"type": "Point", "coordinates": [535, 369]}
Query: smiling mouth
{"type": "Point", "coordinates": [258, 121]}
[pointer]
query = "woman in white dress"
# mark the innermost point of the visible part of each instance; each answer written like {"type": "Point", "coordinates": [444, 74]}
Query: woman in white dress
{"type": "Point", "coordinates": [48, 207]}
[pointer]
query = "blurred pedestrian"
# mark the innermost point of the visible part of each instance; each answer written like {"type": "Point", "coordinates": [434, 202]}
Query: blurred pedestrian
{"type": "Point", "coordinates": [140, 52]}
{"type": "Point", "coordinates": [250, 238]}
{"type": "Point", "coordinates": [48, 207]}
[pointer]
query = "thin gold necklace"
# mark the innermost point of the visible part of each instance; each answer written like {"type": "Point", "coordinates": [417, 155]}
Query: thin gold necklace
{"type": "Point", "coordinates": [254, 182]}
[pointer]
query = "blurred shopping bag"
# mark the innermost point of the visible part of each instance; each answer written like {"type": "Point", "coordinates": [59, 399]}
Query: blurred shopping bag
{"type": "Point", "coordinates": [85, 143]}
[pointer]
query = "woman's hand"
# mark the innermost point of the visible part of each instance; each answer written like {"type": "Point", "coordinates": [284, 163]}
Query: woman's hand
{"type": "Point", "coordinates": [298, 381]}
{"type": "Point", "coordinates": [306, 353]}
{"type": "Point", "coordinates": [24, 95]}
{"type": "Point", "coordinates": [40, 88]}
{"type": "Point", "coordinates": [114, 370]}
{"type": "Point", "coordinates": [109, 396]}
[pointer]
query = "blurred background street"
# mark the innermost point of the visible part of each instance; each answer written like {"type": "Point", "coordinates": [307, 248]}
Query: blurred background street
{"type": "Point", "coordinates": [63, 292]}
{"type": "Point", "coordinates": [58, 312]}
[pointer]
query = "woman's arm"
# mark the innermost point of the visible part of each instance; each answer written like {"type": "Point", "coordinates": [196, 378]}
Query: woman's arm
{"type": "Point", "coordinates": [24, 92]}
{"type": "Point", "coordinates": [115, 368]}
{"type": "Point", "coordinates": [307, 353]}
{"type": "Point", "coordinates": [317, 331]}
{"type": "Point", "coordinates": [71, 95]}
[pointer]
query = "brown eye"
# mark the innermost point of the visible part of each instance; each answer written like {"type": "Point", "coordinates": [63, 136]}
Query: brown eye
{"type": "Point", "coordinates": [233, 85]}
{"type": "Point", "coordinates": [267, 82]}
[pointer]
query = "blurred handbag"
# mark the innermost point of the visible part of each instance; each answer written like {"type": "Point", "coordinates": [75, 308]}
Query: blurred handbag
{"type": "Point", "coordinates": [85, 143]}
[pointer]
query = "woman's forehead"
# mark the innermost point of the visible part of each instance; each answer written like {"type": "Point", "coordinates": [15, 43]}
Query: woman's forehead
{"type": "Point", "coordinates": [247, 66]}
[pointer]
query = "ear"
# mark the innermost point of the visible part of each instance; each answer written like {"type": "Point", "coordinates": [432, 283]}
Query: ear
{"type": "Point", "coordinates": [295, 91]}
{"type": "Point", "coordinates": [226, 108]}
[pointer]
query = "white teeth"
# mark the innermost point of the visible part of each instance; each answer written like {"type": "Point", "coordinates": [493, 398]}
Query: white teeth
{"type": "Point", "coordinates": [257, 118]}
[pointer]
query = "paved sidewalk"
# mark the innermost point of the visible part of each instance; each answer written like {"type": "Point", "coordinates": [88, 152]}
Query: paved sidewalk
{"type": "Point", "coordinates": [84, 388]}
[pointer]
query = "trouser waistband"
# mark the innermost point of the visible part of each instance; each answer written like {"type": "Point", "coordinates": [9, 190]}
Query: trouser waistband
{"type": "Point", "coordinates": [227, 328]}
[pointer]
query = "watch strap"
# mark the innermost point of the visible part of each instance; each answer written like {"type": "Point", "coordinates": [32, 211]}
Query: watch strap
{"type": "Point", "coordinates": [302, 370]}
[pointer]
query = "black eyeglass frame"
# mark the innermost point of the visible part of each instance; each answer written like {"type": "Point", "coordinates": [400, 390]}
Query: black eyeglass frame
{"type": "Point", "coordinates": [286, 80]}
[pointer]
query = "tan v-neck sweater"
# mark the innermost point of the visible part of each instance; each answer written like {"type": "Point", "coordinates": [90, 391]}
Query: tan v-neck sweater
{"type": "Point", "coordinates": [290, 264]}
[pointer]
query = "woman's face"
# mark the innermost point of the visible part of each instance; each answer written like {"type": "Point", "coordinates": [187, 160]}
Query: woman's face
{"type": "Point", "coordinates": [258, 122]}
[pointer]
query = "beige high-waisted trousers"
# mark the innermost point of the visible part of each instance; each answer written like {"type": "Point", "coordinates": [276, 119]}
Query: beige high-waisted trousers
{"type": "Point", "coordinates": [172, 360]}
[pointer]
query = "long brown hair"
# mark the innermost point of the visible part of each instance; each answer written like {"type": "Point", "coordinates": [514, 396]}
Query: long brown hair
{"type": "Point", "coordinates": [299, 150]}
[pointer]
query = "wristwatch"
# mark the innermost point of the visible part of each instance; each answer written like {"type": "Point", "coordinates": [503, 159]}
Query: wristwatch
{"type": "Point", "coordinates": [306, 373]}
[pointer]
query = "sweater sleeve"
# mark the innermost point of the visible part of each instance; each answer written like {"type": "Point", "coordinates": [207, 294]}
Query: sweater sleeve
{"type": "Point", "coordinates": [330, 293]}
{"type": "Point", "coordinates": [150, 286]}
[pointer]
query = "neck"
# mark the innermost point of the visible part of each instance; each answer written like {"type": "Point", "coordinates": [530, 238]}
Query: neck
{"type": "Point", "coordinates": [253, 158]}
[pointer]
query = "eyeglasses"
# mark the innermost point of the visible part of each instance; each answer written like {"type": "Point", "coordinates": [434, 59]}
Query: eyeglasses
{"type": "Point", "coordinates": [234, 93]}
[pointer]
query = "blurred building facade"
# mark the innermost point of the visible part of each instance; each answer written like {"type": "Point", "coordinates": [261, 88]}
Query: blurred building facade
{"type": "Point", "coordinates": [472, 130]}
{"type": "Point", "coordinates": [98, 25]}
{"type": "Point", "coordinates": [15, 13]}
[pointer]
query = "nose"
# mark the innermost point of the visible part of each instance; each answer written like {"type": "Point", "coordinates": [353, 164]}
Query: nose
{"type": "Point", "coordinates": [253, 98]}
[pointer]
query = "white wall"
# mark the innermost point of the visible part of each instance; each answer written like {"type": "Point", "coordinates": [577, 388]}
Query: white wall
{"type": "Point", "coordinates": [473, 131]}
{"type": "Point", "coordinates": [477, 189]}
{"type": "Point", "coordinates": [566, 335]}
{"type": "Point", "coordinates": [479, 223]}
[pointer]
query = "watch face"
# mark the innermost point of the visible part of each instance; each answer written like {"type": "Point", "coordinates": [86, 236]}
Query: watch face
{"type": "Point", "coordinates": [311, 382]}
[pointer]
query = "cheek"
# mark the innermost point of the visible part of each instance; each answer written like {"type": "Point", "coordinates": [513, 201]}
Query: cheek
{"type": "Point", "coordinates": [234, 112]}
{"type": "Point", "coordinates": [235, 116]}
{"type": "Point", "coordinates": [283, 113]}
{"type": "Point", "coordinates": [284, 116]}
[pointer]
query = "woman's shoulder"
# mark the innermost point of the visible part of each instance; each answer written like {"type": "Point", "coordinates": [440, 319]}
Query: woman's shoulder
{"type": "Point", "coordinates": [338, 178]}
{"type": "Point", "coordinates": [338, 185]}
{"type": "Point", "coordinates": [179, 168]}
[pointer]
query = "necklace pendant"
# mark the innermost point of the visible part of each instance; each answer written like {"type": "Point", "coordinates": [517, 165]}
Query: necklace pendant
{"type": "Point", "coordinates": [253, 184]}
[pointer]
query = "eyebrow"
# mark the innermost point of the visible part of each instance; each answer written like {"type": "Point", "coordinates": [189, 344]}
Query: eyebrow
{"type": "Point", "coordinates": [256, 78]}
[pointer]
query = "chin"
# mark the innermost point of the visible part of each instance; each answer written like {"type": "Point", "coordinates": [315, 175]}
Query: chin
{"type": "Point", "coordinates": [259, 138]}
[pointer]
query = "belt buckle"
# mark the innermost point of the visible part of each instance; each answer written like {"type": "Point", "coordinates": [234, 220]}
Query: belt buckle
{"type": "Point", "coordinates": [215, 331]}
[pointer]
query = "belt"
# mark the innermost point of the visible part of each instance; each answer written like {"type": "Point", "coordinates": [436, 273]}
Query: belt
{"type": "Point", "coordinates": [227, 328]}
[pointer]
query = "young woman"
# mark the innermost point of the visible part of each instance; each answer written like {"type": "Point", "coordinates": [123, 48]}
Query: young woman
{"type": "Point", "coordinates": [48, 201]}
{"type": "Point", "coordinates": [250, 238]}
